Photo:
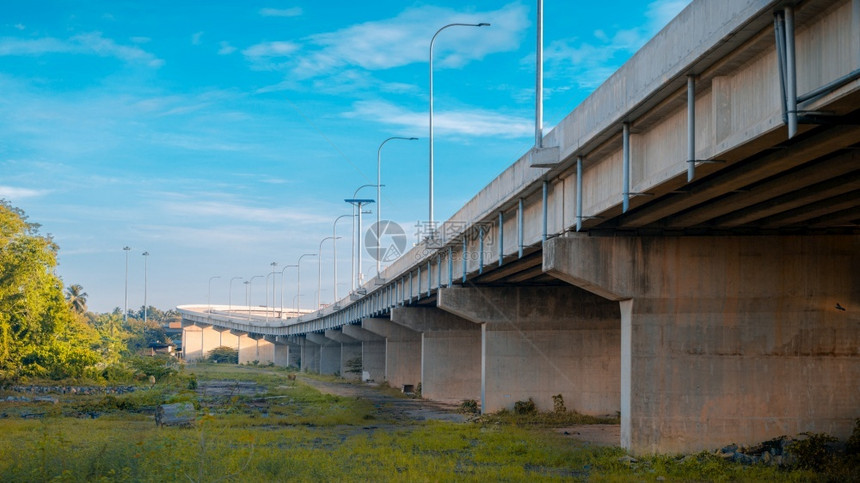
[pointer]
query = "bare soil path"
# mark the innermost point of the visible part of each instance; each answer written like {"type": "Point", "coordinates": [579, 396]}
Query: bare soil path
{"type": "Point", "coordinates": [397, 408]}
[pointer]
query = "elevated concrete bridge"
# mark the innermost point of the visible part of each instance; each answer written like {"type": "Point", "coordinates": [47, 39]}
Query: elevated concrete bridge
{"type": "Point", "coordinates": [684, 250]}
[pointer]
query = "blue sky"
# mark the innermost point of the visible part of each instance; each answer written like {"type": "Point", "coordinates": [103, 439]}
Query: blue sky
{"type": "Point", "coordinates": [222, 136]}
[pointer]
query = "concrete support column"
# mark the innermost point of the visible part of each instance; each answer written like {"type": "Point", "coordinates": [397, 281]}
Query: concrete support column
{"type": "Point", "coordinates": [310, 355]}
{"type": "Point", "coordinates": [350, 353]}
{"type": "Point", "coordinates": [450, 353]}
{"type": "Point", "coordinates": [727, 339]}
{"type": "Point", "coordinates": [287, 352]}
{"type": "Point", "coordinates": [329, 353]}
{"type": "Point", "coordinates": [265, 350]}
{"type": "Point", "coordinates": [539, 342]}
{"type": "Point", "coordinates": [247, 348]}
{"type": "Point", "coordinates": [228, 339]}
{"type": "Point", "coordinates": [192, 343]}
{"type": "Point", "coordinates": [402, 352]}
{"type": "Point", "coordinates": [372, 352]}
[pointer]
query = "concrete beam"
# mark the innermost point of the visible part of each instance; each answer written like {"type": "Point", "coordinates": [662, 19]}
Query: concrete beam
{"type": "Point", "coordinates": [363, 335]}
{"type": "Point", "coordinates": [338, 336]}
{"type": "Point", "coordinates": [450, 353]}
{"type": "Point", "coordinates": [329, 353]}
{"type": "Point", "coordinates": [429, 319]}
{"type": "Point", "coordinates": [402, 352]}
{"type": "Point", "coordinates": [539, 342]}
{"type": "Point", "coordinates": [727, 339]}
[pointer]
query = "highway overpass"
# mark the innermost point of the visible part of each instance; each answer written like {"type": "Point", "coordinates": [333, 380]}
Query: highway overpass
{"type": "Point", "coordinates": [684, 250]}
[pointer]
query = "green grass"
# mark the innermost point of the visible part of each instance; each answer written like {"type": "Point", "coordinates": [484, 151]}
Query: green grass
{"type": "Point", "coordinates": [291, 432]}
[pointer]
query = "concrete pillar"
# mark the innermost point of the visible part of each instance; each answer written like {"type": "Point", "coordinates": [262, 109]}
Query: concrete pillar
{"type": "Point", "coordinates": [282, 354]}
{"type": "Point", "coordinates": [539, 342]}
{"type": "Point", "coordinates": [310, 355]}
{"type": "Point", "coordinates": [372, 352]}
{"type": "Point", "coordinates": [192, 343]}
{"type": "Point", "coordinates": [402, 352]}
{"type": "Point", "coordinates": [350, 354]}
{"type": "Point", "coordinates": [265, 351]}
{"type": "Point", "coordinates": [727, 339]}
{"type": "Point", "coordinates": [450, 353]}
{"type": "Point", "coordinates": [228, 339]}
{"type": "Point", "coordinates": [247, 348]}
{"type": "Point", "coordinates": [329, 353]}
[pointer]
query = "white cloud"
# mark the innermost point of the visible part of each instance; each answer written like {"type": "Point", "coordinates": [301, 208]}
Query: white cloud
{"type": "Point", "coordinates": [16, 193]}
{"type": "Point", "coordinates": [405, 39]}
{"type": "Point", "coordinates": [469, 123]}
{"type": "Point", "coordinates": [225, 48]}
{"type": "Point", "coordinates": [587, 64]}
{"type": "Point", "coordinates": [197, 38]}
{"type": "Point", "coordinates": [90, 43]}
{"type": "Point", "coordinates": [281, 12]}
{"type": "Point", "coordinates": [269, 55]}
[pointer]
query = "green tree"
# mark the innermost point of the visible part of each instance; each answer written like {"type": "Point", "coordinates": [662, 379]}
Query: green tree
{"type": "Point", "coordinates": [39, 333]}
{"type": "Point", "coordinates": [77, 298]}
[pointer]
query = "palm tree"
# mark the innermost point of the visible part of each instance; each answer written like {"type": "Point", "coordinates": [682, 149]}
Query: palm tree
{"type": "Point", "coordinates": [77, 298]}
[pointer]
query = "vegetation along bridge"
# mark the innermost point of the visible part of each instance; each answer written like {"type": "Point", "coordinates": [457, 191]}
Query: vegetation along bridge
{"type": "Point", "coordinates": [682, 249]}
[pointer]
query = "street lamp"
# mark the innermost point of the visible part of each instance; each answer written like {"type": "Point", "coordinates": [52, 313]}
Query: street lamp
{"type": "Point", "coordinates": [359, 202]}
{"type": "Point", "coordinates": [352, 258]}
{"type": "Point", "coordinates": [145, 258]}
{"type": "Point", "coordinates": [299, 280]}
{"type": "Point", "coordinates": [319, 266]}
{"type": "Point", "coordinates": [334, 247]}
{"type": "Point", "coordinates": [125, 314]}
{"type": "Point", "coordinates": [230, 294]}
{"type": "Point", "coordinates": [273, 264]}
{"type": "Point", "coordinates": [250, 282]}
{"type": "Point", "coordinates": [379, 195]}
{"type": "Point", "coordinates": [284, 283]}
{"type": "Point", "coordinates": [432, 41]}
{"type": "Point", "coordinates": [209, 295]}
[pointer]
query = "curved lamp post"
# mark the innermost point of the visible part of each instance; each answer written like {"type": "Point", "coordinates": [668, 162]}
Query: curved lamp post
{"type": "Point", "coordinates": [273, 265]}
{"type": "Point", "coordinates": [230, 294]}
{"type": "Point", "coordinates": [353, 201]}
{"type": "Point", "coordinates": [319, 267]}
{"type": "Point", "coordinates": [432, 41]}
{"type": "Point", "coordinates": [299, 280]}
{"type": "Point", "coordinates": [250, 283]}
{"type": "Point", "coordinates": [334, 249]}
{"type": "Point", "coordinates": [126, 249]}
{"type": "Point", "coordinates": [284, 284]}
{"type": "Point", "coordinates": [209, 295]}
{"type": "Point", "coordinates": [145, 258]}
{"type": "Point", "coordinates": [379, 195]}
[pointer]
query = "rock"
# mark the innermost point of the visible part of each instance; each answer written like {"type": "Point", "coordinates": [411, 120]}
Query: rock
{"type": "Point", "coordinates": [729, 449]}
{"type": "Point", "coordinates": [177, 414]}
{"type": "Point", "coordinates": [627, 459]}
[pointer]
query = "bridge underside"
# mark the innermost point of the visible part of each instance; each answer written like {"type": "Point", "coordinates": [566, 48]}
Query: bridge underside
{"type": "Point", "coordinates": [710, 306]}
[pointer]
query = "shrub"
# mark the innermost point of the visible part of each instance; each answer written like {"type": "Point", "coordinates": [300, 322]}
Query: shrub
{"type": "Point", "coordinates": [223, 355]}
{"type": "Point", "coordinates": [558, 404]}
{"type": "Point", "coordinates": [469, 406]}
{"type": "Point", "coordinates": [160, 367]}
{"type": "Point", "coordinates": [815, 452]}
{"type": "Point", "coordinates": [525, 407]}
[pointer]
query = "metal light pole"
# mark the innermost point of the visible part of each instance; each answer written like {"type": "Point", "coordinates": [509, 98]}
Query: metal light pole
{"type": "Point", "coordinates": [230, 294]}
{"type": "Point", "coordinates": [284, 283]}
{"type": "Point", "coordinates": [359, 202]}
{"type": "Point", "coordinates": [334, 248]}
{"type": "Point", "coordinates": [299, 280]}
{"type": "Point", "coordinates": [125, 313]}
{"type": "Point", "coordinates": [209, 295]}
{"type": "Point", "coordinates": [319, 267]}
{"type": "Point", "coordinates": [250, 282]}
{"type": "Point", "coordinates": [273, 264]}
{"type": "Point", "coordinates": [379, 195]}
{"type": "Point", "coordinates": [432, 41]}
{"type": "Point", "coordinates": [145, 258]}
{"type": "Point", "coordinates": [352, 261]}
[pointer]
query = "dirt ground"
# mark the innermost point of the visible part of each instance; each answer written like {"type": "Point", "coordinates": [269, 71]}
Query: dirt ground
{"type": "Point", "coordinates": [420, 409]}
